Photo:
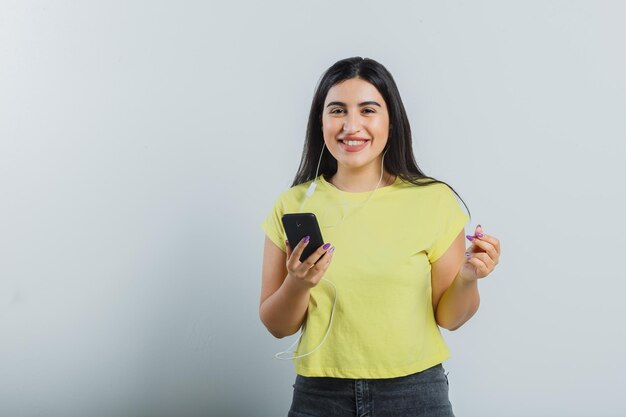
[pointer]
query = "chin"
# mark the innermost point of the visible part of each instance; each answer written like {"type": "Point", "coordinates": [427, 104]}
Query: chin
{"type": "Point", "coordinates": [354, 163]}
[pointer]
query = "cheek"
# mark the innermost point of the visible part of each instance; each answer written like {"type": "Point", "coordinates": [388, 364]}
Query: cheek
{"type": "Point", "coordinates": [329, 133]}
{"type": "Point", "coordinates": [331, 129]}
{"type": "Point", "coordinates": [381, 127]}
{"type": "Point", "coordinates": [331, 123]}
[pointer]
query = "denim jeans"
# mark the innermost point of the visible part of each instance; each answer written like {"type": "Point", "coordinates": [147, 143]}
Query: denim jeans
{"type": "Point", "coordinates": [423, 394]}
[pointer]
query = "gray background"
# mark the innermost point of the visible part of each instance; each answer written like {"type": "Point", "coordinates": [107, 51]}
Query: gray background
{"type": "Point", "coordinates": [142, 143]}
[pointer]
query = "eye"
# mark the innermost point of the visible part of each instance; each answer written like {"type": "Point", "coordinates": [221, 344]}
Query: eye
{"type": "Point", "coordinates": [336, 110]}
{"type": "Point", "coordinates": [369, 110]}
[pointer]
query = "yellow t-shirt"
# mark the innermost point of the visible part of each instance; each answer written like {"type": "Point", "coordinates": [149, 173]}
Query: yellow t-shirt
{"type": "Point", "coordinates": [383, 325]}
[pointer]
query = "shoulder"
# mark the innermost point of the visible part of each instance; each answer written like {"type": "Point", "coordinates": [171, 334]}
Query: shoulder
{"type": "Point", "coordinates": [433, 196]}
{"type": "Point", "coordinates": [293, 195]}
{"type": "Point", "coordinates": [426, 188]}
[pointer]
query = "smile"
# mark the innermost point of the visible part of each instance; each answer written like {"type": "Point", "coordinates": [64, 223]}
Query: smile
{"type": "Point", "coordinates": [354, 145]}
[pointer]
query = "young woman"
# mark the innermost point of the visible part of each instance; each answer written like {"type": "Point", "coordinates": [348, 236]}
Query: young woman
{"type": "Point", "coordinates": [371, 344]}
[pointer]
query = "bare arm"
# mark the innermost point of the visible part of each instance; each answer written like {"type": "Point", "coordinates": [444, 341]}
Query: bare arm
{"type": "Point", "coordinates": [286, 284]}
{"type": "Point", "coordinates": [454, 280]}
{"type": "Point", "coordinates": [283, 303]}
{"type": "Point", "coordinates": [455, 299]}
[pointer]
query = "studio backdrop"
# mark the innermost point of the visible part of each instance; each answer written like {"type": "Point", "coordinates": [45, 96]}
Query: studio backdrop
{"type": "Point", "coordinates": [142, 144]}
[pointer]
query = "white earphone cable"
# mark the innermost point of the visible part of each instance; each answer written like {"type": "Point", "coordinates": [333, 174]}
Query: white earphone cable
{"type": "Point", "coordinates": [330, 323]}
{"type": "Point", "coordinates": [308, 194]}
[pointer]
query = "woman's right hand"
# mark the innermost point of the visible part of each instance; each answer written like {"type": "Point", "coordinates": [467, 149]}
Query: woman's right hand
{"type": "Point", "coordinates": [308, 273]}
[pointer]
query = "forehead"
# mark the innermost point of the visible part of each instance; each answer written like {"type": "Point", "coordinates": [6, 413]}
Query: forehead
{"type": "Point", "coordinates": [353, 91]}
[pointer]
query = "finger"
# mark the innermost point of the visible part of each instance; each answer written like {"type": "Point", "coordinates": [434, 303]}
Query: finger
{"type": "Point", "coordinates": [493, 253]}
{"type": "Point", "coordinates": [287, 248]}
{"type": "Point", "coordinates": [294, 260]}
{"type": "Point", "coordinates": [486, 246]}
{"type": "Point", "coordinates": [481, 268]}
{"type": "Point", "coordinates": [488, 238]}
{"type": "Point", "coordinates": [479, 233]}
{"type": "Point", "coordinates": [313, 258]}
{"type": "Point", "coordinates": [482, 264]}
{"type": "Point", "coordinates": [485, 259]}
{"type": "Point", "coordinates": [322, 265]}
{"type": "Point", "coordinates": [326, 257]}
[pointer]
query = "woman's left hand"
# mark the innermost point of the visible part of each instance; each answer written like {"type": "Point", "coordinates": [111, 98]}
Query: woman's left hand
{"type": "Point", "coordinates": [481, 257]}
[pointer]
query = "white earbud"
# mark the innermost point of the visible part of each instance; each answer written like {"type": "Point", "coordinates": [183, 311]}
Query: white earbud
{"type": "Point", "coordinates": [311, 189]}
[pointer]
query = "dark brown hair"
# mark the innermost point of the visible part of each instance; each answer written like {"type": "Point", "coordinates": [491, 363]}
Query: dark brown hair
{"type": "Point", "coordinates": [399, 159]}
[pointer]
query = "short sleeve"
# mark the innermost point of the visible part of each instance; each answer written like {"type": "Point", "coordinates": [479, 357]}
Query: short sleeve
{"type": "Point", "coordinates": [451, 219]}
{"type": "Point", "coordinates": [272, 225]}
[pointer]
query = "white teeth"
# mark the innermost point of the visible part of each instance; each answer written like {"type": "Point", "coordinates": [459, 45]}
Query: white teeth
{"type": "Point", "coordinates": [353, 142]}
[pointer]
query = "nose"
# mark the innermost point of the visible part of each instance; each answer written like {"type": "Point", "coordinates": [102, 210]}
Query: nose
{"type": "Point", "coordinates": [351, 123]}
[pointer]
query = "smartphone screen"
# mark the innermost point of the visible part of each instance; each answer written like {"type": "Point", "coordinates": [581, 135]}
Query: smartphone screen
{"type": "Point", "coordinates": [299, 225]}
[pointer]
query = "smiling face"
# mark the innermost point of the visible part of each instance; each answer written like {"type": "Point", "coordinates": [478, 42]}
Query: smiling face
{"type": "Point", "coordinates": [355, 122]}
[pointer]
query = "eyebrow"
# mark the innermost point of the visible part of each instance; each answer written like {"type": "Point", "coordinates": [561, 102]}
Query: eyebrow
{"type": "Point", "coordinates": [364, 103]}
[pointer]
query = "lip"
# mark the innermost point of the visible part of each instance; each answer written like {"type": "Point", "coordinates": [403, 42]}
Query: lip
{"type": "Point", "coordinates": [349, 137]}
{"type": "Point", "coordinates": [354, 148]}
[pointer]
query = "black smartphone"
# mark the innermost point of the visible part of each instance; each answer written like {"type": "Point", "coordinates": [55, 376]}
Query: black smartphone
{"type": "Point", "coordinates": [299, 225]}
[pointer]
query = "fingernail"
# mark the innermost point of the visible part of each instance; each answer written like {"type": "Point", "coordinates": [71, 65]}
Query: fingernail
{"type": "Point", "coordinates": [479, 234]}
{"type": "Point", "coordinates": [326, 246]}
{"type": "Point", "coordinates": [470, 238]}
{"type": "Point", "coordinates": [467, 254]}
{"type": "Point", "coordinates": [331, 250]}
{"type": "Point", "coordinates": [479, 226]}
{"type": "Point", "coordinates": [287, 242]}
{"type": "Point", "coordinates": [306, 239]}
